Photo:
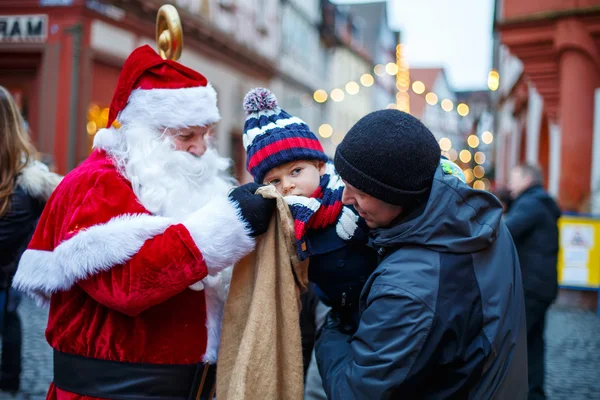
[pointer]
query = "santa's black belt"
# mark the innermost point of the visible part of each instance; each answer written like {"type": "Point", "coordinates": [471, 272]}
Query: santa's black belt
{"type": "Point", "coordinates": [133, 381]}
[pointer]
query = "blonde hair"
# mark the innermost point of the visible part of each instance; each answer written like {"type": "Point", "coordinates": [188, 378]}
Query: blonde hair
{"type": "Point", "coordinates": [15, 148]}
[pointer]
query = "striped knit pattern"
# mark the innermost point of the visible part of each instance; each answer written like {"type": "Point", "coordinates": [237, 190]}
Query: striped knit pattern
{"type": "Point", "coordinates": [323, 209]}
{"type": "Point", "coordinates": [272, 137]}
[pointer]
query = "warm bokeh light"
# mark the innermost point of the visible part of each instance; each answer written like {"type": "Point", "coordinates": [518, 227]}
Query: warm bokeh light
{"type": "Point", "coordinates": [337, 138]}
{"type": "Point", "coordinates": [465, 156]}
{"type": "Point", "coordinates": [452, 155]}
{"type": "Point", "coordinates": [391, 68]}
{"type": "Point", "coordinates": [337, 95]}
{"type": "Point", "coordinates": [445, 144]}
{"type": "Point", "coordinates": [479, 172]}
{"type": "Point", "coordinates": [462, 109]}
{"type": "Point", "coordinates": [479, 185]}
{"type": "Point", "coordinates": [91, 128]}
{"type": "Point", "coordinates": [367, 80]}
{"type": "Point", "coordinates": [352, 87]}
{"type": "Point", "coordinates": [487, 137]}
{"type": "Point", "coordinates": [447, 105]}
{"type": "Point", "coordinates": [473, 141]}
{"type": "Point", "coordinates": [468, 175]}
{"type": "Point", "coordinates": [431, 99]}
{"type": "Point", "coordinates": [320, 96]}
{"type": "Point", "coordinates": [418, 87]}
{"type": "Point", "coordinates": [379, 70]}
{"type": "Point", "coordinates": [479, 157]}
{"type": "Point", "coordinates": [493, 80]}
{"type": "Point", "coordinates": [486, 183]}
{"type": "Point", "coordinates": [325, 131]}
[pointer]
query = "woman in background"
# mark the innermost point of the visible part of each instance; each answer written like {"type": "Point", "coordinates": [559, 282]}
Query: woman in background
{"type": "Point", "coordinates": [25, 185]}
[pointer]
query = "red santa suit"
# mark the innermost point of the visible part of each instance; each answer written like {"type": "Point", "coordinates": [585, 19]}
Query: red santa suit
{"type": "Point", "coordinates": [116, 276]}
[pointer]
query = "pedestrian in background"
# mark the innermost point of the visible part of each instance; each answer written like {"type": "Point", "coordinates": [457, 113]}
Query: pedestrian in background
{"type": "Point", "coordinates": [532, 221]}
{"type": "Point", "coordinates": [503, 194]}
{"type": "Point", "coordinates": [25, 185]}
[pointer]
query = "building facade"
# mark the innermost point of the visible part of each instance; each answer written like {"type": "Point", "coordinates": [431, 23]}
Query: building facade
{"type": "Point", "coordinates": [303, 62]}
{"type": "Point", "coordinates": [349, 99]}
{"type": "Point", "coordinates": [548, 57]}
{"type": "Point", "coordinates": [64, 77]}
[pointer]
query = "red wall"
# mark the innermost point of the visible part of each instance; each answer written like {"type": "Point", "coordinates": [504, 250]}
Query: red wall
{"type": "Point", "coordinates": [521, 8]}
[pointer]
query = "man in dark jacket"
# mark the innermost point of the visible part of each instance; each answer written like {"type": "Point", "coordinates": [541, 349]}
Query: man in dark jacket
{"type": "Point", "coordinates": [532, 221]}
{"type": "Point", "coordinates": [442, 316]}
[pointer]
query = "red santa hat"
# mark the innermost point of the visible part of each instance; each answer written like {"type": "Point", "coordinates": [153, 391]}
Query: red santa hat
{"type": "Point", "coordinates": [161, 93]}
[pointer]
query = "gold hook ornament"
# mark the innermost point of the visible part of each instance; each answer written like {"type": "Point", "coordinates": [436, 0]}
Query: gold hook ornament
{"type": "Point", "coordinates": [169, 33]}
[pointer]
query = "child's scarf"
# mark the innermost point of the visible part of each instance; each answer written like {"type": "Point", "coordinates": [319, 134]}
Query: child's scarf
{"type": "Point", "coordinates": [323, 209]}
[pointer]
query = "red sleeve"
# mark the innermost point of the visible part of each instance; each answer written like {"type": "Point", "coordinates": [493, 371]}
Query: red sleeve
{"type": "Point", "coordinates": [165, 265]}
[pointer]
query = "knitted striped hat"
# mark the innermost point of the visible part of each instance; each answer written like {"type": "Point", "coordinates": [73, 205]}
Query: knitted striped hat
{"type": "Point", "coordinates": [272, 137]}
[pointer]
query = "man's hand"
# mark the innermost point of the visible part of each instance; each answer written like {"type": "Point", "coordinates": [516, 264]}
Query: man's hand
{"type": "Point", "coordinates": [256, 210]}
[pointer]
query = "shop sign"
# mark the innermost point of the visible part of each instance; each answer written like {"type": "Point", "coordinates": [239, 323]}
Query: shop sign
{"type": "Point", "coordinates": [23, 28]}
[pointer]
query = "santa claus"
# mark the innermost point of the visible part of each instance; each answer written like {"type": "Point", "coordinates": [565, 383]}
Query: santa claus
{"type": "Point", "coordinates": [129, 231]}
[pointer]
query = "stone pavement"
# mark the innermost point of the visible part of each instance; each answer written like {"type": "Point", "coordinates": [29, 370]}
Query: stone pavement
{"type": "Point", "coordinates": [573, 355]}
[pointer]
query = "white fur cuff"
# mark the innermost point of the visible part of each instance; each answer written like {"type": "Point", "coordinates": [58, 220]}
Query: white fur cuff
{"type": "Point", "coordinates": [220, 234]}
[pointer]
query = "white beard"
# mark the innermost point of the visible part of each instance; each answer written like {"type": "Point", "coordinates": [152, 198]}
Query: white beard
{"type": "Point", "coordinates": [168, 182]}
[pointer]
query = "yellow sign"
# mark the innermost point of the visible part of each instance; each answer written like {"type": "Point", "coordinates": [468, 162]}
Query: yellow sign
{"type": "Point", "coordinates": [579, 254]}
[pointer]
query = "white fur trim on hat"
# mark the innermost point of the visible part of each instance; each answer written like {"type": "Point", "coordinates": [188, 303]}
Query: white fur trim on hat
{"type": "Point", "coordinates": [173, 108]}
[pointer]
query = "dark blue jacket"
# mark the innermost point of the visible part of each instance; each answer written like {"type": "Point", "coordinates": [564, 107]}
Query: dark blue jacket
{"type": "Point", "coordinates": [339, 269]}
{"type": "Point", "coordinates": [533, 222]}
{"type": "Point", "coordinates": [443, 315]}
{"type": "Point", "coordinates": [16, 228]}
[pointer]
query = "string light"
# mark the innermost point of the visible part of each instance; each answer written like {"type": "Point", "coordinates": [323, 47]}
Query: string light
{"type": "Point", "coordinates": [391, 68]}
{"type": "Point", "coordinates": [325, 131]}
{"type": "Point", "coordinates": [479, 157]}
{"type": "Point", "coordinates": [320, 96]}
{"type": "Point", "coordinates": [473, 141]}
{"type": "Point", "coordinates": [91, 128]}
{"type": "Point", "coordinates": [379, 70]}
{"type": "Point", "coordinates": [468, 175]}
{"type": "Point", "coordinates": [465, 156]}
{"type": "Point", "coordinates": [418, 87]}
{"type": "Point", "coordinates": [479, 172]}
{"type": "Point", "coordinates": [367, 80]}
{"type": "Point", "coordinates": [479, 185]}
{"type": "Point", "coordinates": [431, 99]}
{"type": "Point", "coordinates": [445, 144]}
{"type": "Point", "coordinates": [447, 105]}
{"type": "Point", "coordinates": [486, 183]}
{"type": "Point", "coordinates": [493, 80]}
{"type": "Point", "coordinates": [337, 95]}
{"type": "Point", "coordinates": [402, 80]}
{"type": "Point", "coordinates": [462, 109]}
{"type": "Point", "coordinates": [452, 155]}
{"type": "Point", "coordinates": [352, 88]}
{"type": "Point", "coordinates": [401, 71]}
{"type": "Point", "coordinates": [487, 137]}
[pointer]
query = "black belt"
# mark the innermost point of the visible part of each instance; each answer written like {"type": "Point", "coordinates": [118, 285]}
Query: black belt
{"type": "Point", "coordinates": [133, 381]}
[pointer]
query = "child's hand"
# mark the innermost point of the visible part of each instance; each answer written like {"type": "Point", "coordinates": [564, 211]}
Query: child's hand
{"type": "Point", "coordinates": [256, 210]}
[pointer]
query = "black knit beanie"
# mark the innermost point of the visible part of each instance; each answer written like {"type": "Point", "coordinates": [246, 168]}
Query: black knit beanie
{"type": "Point", "coordinates": [391, 156]}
